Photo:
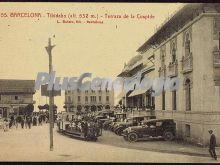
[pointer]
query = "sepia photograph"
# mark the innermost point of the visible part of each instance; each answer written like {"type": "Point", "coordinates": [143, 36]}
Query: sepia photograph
{"type": "Point", "coordinates": [110, 82]}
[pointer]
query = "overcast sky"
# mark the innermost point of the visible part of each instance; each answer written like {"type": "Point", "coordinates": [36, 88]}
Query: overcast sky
{"type": "Point", "coordinates": [100, 49]}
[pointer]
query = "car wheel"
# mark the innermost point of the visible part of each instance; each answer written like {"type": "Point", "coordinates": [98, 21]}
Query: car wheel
{"type": "Point", "coordinates": [168, 136]}
{"type": "Point", "coordinates": [132, 137]}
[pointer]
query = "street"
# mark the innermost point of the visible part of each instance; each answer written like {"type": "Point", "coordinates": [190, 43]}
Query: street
{"type": "Point", "coordinates": [33, 145]}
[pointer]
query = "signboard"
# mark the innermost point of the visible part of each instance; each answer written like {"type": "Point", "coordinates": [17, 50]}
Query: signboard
{"type": "Point", "coordinates": [45, 92]}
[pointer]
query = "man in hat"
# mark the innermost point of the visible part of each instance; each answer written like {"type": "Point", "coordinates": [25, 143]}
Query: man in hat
{"type": "Point", "coordinates": [212, 145]}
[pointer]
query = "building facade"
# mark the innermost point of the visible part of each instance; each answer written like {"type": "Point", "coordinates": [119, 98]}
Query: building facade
{"type": "Point", "coordinates": [187, 46]}
{"type": "Point", "coordinates": [15, 95]}
{"type": "Point", "coordinates": [89, 100]}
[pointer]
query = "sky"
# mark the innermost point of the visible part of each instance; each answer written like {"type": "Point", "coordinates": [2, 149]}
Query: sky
{"type": "Point", "coordinates": [101, 49]}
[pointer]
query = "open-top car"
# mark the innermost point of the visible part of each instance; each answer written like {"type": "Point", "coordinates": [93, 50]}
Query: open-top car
{"type": "Point", "coordinates": [133, 121]}
{"type": "Point", "coordinates": [165, 128]}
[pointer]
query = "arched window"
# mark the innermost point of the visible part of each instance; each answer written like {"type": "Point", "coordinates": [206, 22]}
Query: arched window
{"type": "Point", "coordinates": [187, 45]}
{"type": "Point", "coordinates": [188, 94]}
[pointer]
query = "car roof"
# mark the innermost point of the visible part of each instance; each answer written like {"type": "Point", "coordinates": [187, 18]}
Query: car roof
{"type": "Point", "coordinates": [139, 116]}
{"type": "Point", "coordinates": [151, 120]}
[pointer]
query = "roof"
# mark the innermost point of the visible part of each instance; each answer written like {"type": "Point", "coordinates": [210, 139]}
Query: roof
{"type": "Point", "coordinates": [177, 21]}
{"type": "Point", "coordinates": [9, 86]}
{"type": "Point", "coordinates": [150, 120]}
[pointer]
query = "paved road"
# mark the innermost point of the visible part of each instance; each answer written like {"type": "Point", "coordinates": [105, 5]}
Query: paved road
{"type": "Point", "coordinates": [33, 145]}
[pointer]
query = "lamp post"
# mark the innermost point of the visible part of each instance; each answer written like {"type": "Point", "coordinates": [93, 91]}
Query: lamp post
{"type": "Point", "coordinates": [51, 99]}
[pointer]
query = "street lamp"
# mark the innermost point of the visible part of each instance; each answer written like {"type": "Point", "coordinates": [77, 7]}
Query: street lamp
{"type": "Point", "coordinates": [51, 98]}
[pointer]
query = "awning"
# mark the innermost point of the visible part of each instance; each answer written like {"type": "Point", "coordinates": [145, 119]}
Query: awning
{"type": "Point", "coordinates": [137, 92]}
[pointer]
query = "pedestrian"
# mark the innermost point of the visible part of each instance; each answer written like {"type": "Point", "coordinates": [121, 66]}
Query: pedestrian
{"type": "Point", "coordinates": [40, 120]}
{"type": "Point", "coordinates": [5, 125]}
{"type": "Point", "coordinates": [34, 121]}
{"type": "Point", "coordinates": [29, 120]}
{"type": "Point", "coordinates": [22, 123]}
{"type": "Point", "coordinates": [25, 122]}
{"type": "Point", "coordinates": [212, 145]}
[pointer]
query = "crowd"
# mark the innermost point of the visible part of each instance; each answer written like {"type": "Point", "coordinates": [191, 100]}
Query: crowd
{"type": "Point", "coordinates": [89, 125]}
{"type": "Point", "coordinates": [26, 121]}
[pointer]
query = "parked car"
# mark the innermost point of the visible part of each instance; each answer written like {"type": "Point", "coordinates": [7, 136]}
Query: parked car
{"type": "Point", "coordinates": [165, 128]}
{"type": "Point", "coordinates": [133, 121]}
{"type": "Point", "coordinates": [118, 117]}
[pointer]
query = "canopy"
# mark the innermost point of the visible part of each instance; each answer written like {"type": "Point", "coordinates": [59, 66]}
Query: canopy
{"type": "Point", "coordinates": [137, 92]}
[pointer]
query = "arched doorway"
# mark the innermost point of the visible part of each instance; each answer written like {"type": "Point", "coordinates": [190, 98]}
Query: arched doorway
{"type": "Point", "coordinates": [93, 108]}
{"type": "Point", "coordinates": [107, 107]}
{"type": "Point", "coordinates": [100, 107]}
{"type": "Point", "coordinates": [86, 107]}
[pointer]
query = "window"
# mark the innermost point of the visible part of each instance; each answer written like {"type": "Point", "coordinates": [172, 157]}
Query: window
{"type": "Point", "coordinates": [162, 55]}
{"type": "Point", "coordinates": [188, 94]}
{"type": "Point", "coordinates": [16, 97]}
{"type": "Point", "coordinates": [187, 130]}
{"type": "Point", "coordinates": [174, 99]}
{"type": "Point", "coordinates": [100, 98]}
{"type": "Point", "coordinates": [93, 98]}
{"type": "Point", "coordinates": [86, 99]}
{"type": "Point", "coordinates": [0, 97]}
{"type": "Point", "coordinates": [107, 98]}
{"type": "Point", "coordinates": [93, 91]}
{"type": "Point", "coordinates": [187, 45]}
{"type": "Point", "coordinates": [163, 100]}
{"type": "Point", "coordinates": [78, 90]}
{"type": "Point", "coordinates": [79, 99]}
{"type": "Point", "coordinates": [86, 91]}
{"type": "Point", "coordinates": [173, 53]}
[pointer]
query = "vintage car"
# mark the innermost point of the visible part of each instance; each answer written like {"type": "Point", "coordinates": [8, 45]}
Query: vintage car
{"type": "Point", "coordinates": [104, 115]}
{"type": "Point", "coordinates": [117, 118]}
{"type": "Point", "coordinates": [165, 128]}
{"type": "Point", "coordinates": [133, 121]}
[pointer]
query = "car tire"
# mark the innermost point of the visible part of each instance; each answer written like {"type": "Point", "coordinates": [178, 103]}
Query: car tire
{"type": "Point", "coordinates": [168, 136]}
{"type": "Point", "coordinates": [132, 137]}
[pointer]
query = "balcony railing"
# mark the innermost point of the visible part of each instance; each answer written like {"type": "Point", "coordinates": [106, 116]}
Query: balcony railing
{"type": "Point", "coordinates": [17, 102]}
{"type": "Point", "coordinates": [172, 69]}
{"type": "Point", "coordinates": [162, 71]}
{"type": "Point", "coordinates": [216, 58]}
{"type": "Point", "coordinates": [187, 63]}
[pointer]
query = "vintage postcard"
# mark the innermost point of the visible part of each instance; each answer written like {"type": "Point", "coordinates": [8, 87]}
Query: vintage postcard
{"type": "Point", "coordinates": [110, 82]}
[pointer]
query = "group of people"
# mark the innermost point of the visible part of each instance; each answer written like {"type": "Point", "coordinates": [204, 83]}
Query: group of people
{"type": "Point", "coordinates": [24, 121]}
{"type": "Point", "coordinates": [85, 124]}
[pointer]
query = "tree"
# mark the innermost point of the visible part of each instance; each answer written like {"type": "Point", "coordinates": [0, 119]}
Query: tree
{"type": "Point", "coordinates": [29, 109]}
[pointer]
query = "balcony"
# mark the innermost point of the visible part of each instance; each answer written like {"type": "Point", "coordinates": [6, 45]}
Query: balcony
{"type": "Point", "coordinates": [162, 71]}
{"type": "Point", "coordinates": [216, 59]}
{"type": "Point", "coordinates": [187, 63]}
{"type": "Point", "coordinates": [172, 69]}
